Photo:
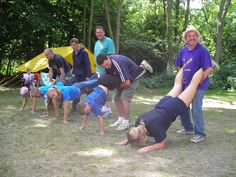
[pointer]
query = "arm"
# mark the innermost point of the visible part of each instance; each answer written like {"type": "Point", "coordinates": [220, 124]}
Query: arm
{"type": "Point", "coordinates": [206, 73]}
{"type": "Point", "coordinates": [87, 63]}
{"type": "Point", "coordinates": [66, 110]}
{"type": "Point", "coordinates": [50, 74]}
{"type": "Point", "coordinates": [156, 146]}
{"type": "Point", "coordinates": [122, 143]}
{"type": "Point", "coordinates": [124, 84]}
{"type": "Point", "coordinates": [63, 75]}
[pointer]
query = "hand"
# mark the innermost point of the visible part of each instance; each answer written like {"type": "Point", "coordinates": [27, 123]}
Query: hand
{"type": "Point", "coordinates": [144, 149]}
{"type": "Point", "coordinates": [122, 143]}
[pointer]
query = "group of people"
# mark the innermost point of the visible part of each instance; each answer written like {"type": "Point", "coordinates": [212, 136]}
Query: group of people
{"type": "Point", "coordinates": [118, 75]}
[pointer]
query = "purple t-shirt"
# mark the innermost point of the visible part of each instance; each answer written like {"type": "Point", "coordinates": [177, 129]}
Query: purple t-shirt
{"type": "Point", "coordinates": [122, 66]}
{"type": "Point", "coordinates": [197, 58]}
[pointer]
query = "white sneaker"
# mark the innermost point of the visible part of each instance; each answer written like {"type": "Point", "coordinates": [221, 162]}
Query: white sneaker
{"type": "Point", "coordinates": [215, 65]}
{"type": "Point", "coordinates": [118, 122]}
{"type": "Point", "coordinates": [107, 113]}
{"type": "Point", "coordinates": [147, 66]}
{"type": "Point", "coordinates": [123, 126]}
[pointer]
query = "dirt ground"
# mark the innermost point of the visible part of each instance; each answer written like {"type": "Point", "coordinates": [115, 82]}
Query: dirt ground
{"type": "Point", "coordinates": [34, 147]}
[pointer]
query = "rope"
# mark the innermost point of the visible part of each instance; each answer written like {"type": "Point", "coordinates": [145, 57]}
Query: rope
{"type": "Point", "coordinates": [12, 79]}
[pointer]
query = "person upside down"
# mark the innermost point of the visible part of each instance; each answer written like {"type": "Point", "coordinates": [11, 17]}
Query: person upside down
{"type": "Point", "coordinates": [156, 122]}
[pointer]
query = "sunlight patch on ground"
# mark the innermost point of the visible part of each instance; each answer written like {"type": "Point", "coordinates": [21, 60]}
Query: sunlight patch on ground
{"type": "Point", "coordinates": [148, 101]}
{"type": "Point", "coordinates": [212, 103]}
{"type": "Point", "coordinates": [98, 152]}
{"type": "Point", "coordinates": [231, 131]}
{"type": "Point", "coordinates": [11, 107]}
{"type": "Point", "coordinates": [4, 88]}
{"type": "Point", "coordinates": [41, 123]}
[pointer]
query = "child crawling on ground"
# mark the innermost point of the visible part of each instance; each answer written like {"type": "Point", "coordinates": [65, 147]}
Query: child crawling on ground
{"type": "Point", "coordinates": [95, 100]}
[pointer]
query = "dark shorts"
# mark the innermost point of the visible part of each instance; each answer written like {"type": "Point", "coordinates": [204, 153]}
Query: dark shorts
{"type": "Point", "coordinates": [173, 106]}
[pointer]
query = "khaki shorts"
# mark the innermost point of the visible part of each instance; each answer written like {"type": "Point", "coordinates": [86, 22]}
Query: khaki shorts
{"type": "Point", "coordinates": [127, 93]}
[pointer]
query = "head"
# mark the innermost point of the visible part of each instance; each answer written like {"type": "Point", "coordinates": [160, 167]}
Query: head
{"type": "Point", "coordinates": [84, 109]}
{"type": "Point", "coordinates": [54, 97]}
{"type": "Point", "coordinates": [75, 44]}
{"type": "Point", "coordinates": [137, 135]}
{"type": "Point", "coordinates": [191, 36]}
{"type": "Point", "coordinates": [100, 32]}
{"type": "Point", "coordinates": [104, 61]}
{"type": "Point", "coordinates": [48, 54]}
{"type": "Point", "coordinates": [24, 91]}
{"type": "Point", "coordinates": [28, 70]}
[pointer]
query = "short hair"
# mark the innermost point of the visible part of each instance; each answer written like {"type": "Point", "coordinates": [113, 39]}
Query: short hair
{"type": "Point", "coordinates": [75, 40]}
{"type": "Point", "coordinates": [101, 58]}
{"type": "Point", "coordinates": [100, 27]}
{"type": "Point", "coordinates": [48, 50]}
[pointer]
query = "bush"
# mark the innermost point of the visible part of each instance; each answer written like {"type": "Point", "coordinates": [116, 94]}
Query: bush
{"type": "Point", "coordinates": [158, 81]}
{"type": "Point", "coordinates": [219, 79]}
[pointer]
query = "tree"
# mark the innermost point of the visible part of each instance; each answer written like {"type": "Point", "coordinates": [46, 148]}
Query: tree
{"type": "Point", "coordinates": [108, 19]}
{"type": "Point", "coordinates": [169, 34]}
{"type": "Point", "coordinates": [90, 27]}
{"type": "Point", "coordinates": [224, 5]}
{"type": "Point", "coordinates": [118, 26]}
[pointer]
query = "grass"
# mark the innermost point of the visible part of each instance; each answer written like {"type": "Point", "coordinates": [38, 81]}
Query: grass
{"type": "Point", "coordinates": [31, 146]}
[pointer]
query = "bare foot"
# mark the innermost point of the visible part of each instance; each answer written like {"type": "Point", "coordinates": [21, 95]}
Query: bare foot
{"type": "Point", "coordinates": [81, 128]}
{"type": "Point", "coordinates": [102, 133]}
{"type": "Point", "coordinates": [65, 121]}
{"type": "Point", "coordinates": [43, 116]}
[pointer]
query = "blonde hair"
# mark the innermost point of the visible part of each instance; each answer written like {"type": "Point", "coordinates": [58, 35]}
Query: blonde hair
{"type": "Point", "coordinates": [55, 101]}
{"type": "Point", "coordinates": [137, 135]}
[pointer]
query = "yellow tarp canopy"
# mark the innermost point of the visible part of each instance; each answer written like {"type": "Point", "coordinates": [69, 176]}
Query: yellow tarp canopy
{"type": "Point", "coordinates": [41, 62]}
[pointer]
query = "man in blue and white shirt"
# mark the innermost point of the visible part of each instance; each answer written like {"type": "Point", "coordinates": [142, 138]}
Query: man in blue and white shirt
{"type": "Point", "coordinates": [129, 73]}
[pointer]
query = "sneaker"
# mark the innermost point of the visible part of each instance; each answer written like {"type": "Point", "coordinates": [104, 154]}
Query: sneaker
{"type": "Point", "coordinates": [147, 66]}
{"type": "Point", "coordinates": [183, 131]}
{"type": "Point", "coordinates": [118, 122]}
{"type": "Point", "coordinates": [215, 65]}
{"type": "Point", "coordinates": [107, 114]}
{"type": "Point", "coordinates": [197, 138]}
{"type": "Point", "coordinates": [123, 126]}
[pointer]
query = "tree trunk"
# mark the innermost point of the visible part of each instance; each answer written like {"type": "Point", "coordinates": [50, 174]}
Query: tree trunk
{"type": "Point", "coordinates": [84, 23]}
{"type": "Point", "coordinates": [186, 19]}
{"type": "Point", "coordinates": [170, 61]}
{"type": "Point", "coordinates": [220, 22]}
{"type": "Point", "coordinates": [90, 25]}
{"type": "Point", "coordinates": [108, 20]}
{"type": "Point", "coordinates": [164, 31]}
{"type": "Point", "coordinates": [118, 26]}
{"type": "Point", "coordinates": [176, 31]}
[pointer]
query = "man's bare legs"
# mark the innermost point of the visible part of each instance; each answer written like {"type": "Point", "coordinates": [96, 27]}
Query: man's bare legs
{"type": "Point", "coordinates": [188, 94]}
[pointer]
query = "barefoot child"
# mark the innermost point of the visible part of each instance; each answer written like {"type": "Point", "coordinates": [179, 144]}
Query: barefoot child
{"type": "Point", "coordinates": [95, 100]}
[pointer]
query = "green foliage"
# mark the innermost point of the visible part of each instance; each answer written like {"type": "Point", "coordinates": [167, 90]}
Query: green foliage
{"type": "Point", "coordinates": [158, 81]}
{"type": "Point", "coordinates": [219, 79]}
{"type": "Point", "coordinates": [138, 50]}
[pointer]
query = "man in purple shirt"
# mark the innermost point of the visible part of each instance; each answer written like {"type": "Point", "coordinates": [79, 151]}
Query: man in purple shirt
{"type": "Point", "coordinates": [192, 57]}
{"type": "Point", "coordinates": [129, 73]}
